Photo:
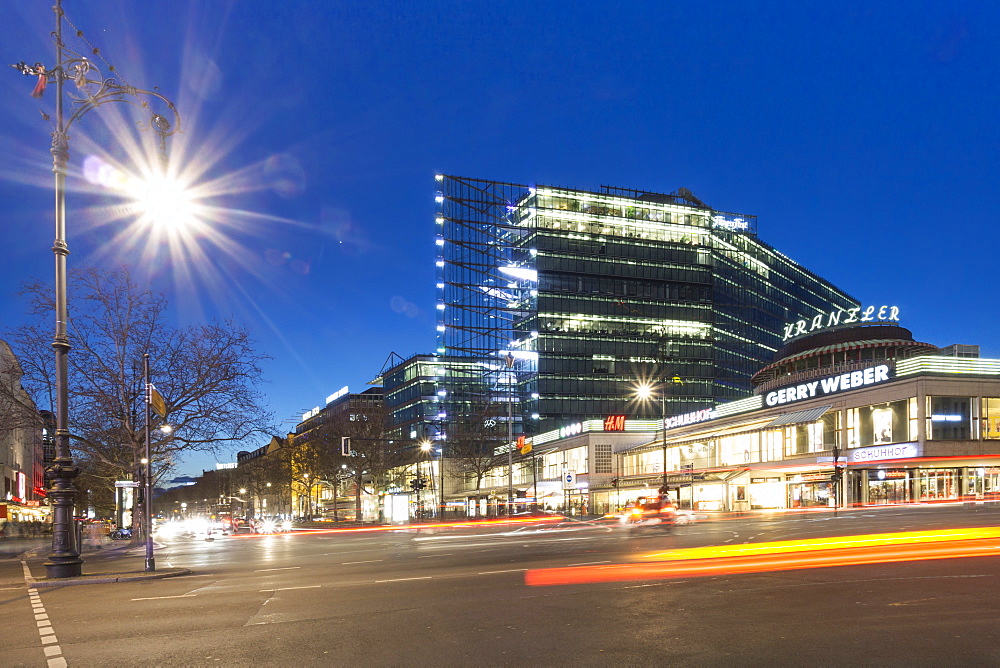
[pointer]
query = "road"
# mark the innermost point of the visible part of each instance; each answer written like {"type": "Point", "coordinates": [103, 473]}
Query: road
{"type": "Point", "coordinates": [459, 597]}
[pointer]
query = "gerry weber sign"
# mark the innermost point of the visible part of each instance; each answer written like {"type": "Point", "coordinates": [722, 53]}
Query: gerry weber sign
{"type": "Point", "coordinates": [825, 386]}
{"type": "Point", "coordinates": [881, 452]}
{"type": "Point", "coordinates": [841, 317]}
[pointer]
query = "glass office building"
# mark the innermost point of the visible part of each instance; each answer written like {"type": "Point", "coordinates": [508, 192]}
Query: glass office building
{"type": "Point", "coordinates": [570, 299]}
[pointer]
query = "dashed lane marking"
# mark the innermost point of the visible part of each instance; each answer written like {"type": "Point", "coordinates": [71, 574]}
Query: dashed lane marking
{"type": "Point", "coordinates": [509, 570]}
{"type": "Point", "coordinates": [157, 598]}
{"type": "Point", "coordinates": [588, 563]}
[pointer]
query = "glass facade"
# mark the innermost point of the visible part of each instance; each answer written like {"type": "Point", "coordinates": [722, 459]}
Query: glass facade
{"type": "Point", "coordinates": [592, 293]}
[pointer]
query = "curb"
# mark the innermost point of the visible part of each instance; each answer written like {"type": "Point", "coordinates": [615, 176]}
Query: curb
{"type": "Point", "coordinates": [107, 578]}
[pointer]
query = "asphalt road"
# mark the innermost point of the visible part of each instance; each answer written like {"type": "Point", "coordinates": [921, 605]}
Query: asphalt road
{"type": "Point", "coordinates": [459, 598]}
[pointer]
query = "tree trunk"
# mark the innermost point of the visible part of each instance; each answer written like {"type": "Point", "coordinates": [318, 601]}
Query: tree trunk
{"type": "Point", "coordinates": [479, 485]}
{"type": "Point", "coordinates": [357, 501]}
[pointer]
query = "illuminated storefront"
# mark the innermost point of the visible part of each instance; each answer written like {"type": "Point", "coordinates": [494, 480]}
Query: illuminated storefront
{"type": "Point", "coordinates": [906, 426]}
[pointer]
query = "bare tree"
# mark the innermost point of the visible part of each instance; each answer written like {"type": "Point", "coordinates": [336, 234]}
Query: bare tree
{"type": "Point", "coordinates": [375, 457]}
{"type": "Point", "coordinates": [473, 439]}
{"type": "Point", "coordinates": [207, 375]}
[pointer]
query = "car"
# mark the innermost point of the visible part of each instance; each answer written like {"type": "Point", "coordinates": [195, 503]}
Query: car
{"type": "Point", "coordinates": [656, 511]}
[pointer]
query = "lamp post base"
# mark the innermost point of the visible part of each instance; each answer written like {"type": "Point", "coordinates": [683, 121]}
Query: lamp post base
{"type": "Point", "coordinates": [69, 567]}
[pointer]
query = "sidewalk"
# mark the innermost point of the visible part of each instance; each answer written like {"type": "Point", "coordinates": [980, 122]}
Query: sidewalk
{"type": "Point", "coordinates": [106, 562]}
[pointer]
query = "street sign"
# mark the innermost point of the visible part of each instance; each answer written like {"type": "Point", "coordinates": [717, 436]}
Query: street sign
{"type": "Point", "coordinates": [569, 479]}
{"type": "Point", "coordinates": [156, 401]}
{"type": "Point", "coordinates": [126, 483]}
{"type": "Point", "coordinates": [526, 448]}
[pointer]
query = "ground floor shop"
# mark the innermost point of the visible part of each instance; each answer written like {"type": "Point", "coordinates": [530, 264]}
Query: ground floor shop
{"type": "Point", "coordinates": [811, 489]}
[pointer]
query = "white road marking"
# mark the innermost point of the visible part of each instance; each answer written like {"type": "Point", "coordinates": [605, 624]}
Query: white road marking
{"type": "Point", "coordinates": [370, 561]}
{"type": "Point", "coordinates": [429, 556]}
{"type": "Point", "coordinates": [157, 598]}
{"type": "Point", "coordinates": [287, 588]}
{"type": "Point", "coordinates": [426, 577]}
{"type": "Point", "coordinates": [589, 563]}
{"type": "Point", "coordinates": [287, 568]}
{"type": "Point", "coordinates": [50, 645]}
{"type": "Point", "coordinates": [511, 570]}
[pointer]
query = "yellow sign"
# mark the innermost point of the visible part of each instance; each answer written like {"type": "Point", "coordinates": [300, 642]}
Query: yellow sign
{"type": "Point", "coordinates": [526, 448]}
{"type": "Point", "coordinates": [156, 401]}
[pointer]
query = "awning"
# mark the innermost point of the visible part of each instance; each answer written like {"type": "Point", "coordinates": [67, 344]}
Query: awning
{"type": "Point", "coordinates": [798, 417]}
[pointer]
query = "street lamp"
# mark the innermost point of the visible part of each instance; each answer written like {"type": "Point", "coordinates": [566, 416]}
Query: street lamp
{"type": "Point", "coordinates": [92, 90]}
{"type": "Point", "coordinates": [646, 392]}
{"type": "Point", "coordinates": [426, 447]}
{"type": "Point", "coordinates": [509, 360]}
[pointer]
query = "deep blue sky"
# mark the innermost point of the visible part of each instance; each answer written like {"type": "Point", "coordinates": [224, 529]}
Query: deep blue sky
{"type": "Point", "coordinates": [863, 137]}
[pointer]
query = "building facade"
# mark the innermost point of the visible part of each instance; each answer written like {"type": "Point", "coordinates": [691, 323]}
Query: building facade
{"type": "Point", "coordinates": [852, 416]}
{"type": "Point", "coordinates": [571, 298]}
{"type": "Point", "coordinates": [845, 416]}
{"type": "Point", "coordinates": [23, 438]}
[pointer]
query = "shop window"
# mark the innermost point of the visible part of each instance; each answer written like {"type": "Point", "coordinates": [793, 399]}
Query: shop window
{"type": "Point", "coordinates": [773, 445]}
{"type": "Point", "coordinates": [602, 458]}
{"type": "Point", "coordinates": [739, 449]}
{"type": "Point", "coordinates": [853, 429]}
{"type": "Point", "coordinates": [949, 418]}
{"type": "Point", "coordinates": [990, 421]}
{"type": "Point", "coordinates": [984, 483]}
{"type": "Point", "coordinates": [936, 484]}
{"type": "Point", "coordinates": [880, 424]}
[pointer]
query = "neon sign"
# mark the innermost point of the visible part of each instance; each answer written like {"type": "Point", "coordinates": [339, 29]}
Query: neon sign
{"type": "Point", "coordinates": [841, 317]}
{"type": "Point", "coordinates": [689, 418]}
{"type": "Point", "coordinates": [734, 224]}
{"type": "Point", "coordinates": [614, 423]}
{"type": "Point", "coordinates": [899, 451]}
{"type": "Point", "coordinates": [825, 386]}
{"type": "Point", "coordinates": [571, 430]}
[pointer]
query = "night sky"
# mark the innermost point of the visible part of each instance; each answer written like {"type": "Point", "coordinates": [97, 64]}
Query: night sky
{"type": "Point", "coordinates": [863, 137]}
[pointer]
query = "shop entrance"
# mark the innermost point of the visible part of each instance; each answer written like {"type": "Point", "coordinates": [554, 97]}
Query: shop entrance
{"type": "Point", "coordinates": [887, 487]}
{"type": "Point", "coordinates": [810, 491]}
{"type": "Point", "coordinates": [937, 484]}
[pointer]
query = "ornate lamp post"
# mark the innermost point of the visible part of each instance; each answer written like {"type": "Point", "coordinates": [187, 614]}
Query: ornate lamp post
{"type": "Point", "coordinates": [92, 89]}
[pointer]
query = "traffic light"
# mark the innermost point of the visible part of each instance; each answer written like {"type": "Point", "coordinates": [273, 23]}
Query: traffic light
{"type": "Point", "coordinates": [418, 484]}
{"type": "Point", "coordinates": [838, 473]}
{"type": "Point", "coordinates": [614, 482]}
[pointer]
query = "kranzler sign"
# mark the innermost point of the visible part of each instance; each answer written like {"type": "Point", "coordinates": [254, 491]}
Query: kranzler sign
{"type": "Point", "coordinates": [826, 386]}
{"type": "Point", "coordinates": [839, 317]}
